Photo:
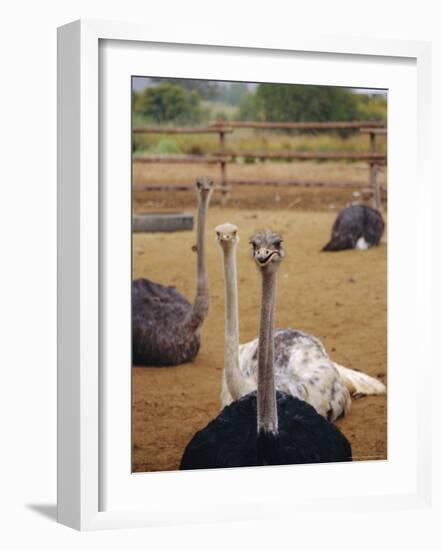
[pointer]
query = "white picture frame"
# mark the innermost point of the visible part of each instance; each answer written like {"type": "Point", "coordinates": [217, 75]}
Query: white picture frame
{"type": "Point", "coordinates": [80, 434]}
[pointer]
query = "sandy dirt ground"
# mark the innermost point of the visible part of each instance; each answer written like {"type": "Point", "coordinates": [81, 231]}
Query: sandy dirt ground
{"type": "Point", "coordinates": [265, 197]}
{"type": "Point", "coordinates": [339, 297]}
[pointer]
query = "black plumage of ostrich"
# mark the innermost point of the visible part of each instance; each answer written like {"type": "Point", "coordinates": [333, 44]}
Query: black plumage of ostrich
{"type": "Point", "coordinates": [266, 427]}
{"type": "Point", "coordinates": [232, 439]}
{"type": "Point", "coordinates": [357, 226]}
{"type": "Point", "coordinates": [165, 325]}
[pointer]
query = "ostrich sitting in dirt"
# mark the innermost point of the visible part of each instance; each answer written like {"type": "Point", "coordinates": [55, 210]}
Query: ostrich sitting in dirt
{"type": "Point", "coordinates": [266, 427]}
{"type": "Point", "coordinates": [302, 366]}
{"type": "Point", "coordinates": [357, 226]}
{"type": "Point", "coordinates": [166, 327]}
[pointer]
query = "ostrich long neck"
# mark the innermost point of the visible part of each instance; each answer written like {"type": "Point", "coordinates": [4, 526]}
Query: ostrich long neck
{"type": "Point", "coordinates": [266, 394]}
{"type": "Point", "coordinates": [200, 306]}
{"type": "Point", "coordinates": [234, 379]}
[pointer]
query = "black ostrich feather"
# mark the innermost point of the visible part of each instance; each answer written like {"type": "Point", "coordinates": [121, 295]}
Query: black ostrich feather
{"type": "Point", "coordinates": [231, 440]}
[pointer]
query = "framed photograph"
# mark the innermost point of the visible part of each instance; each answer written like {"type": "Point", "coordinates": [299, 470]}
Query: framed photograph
{"type": "Point", "coordinates": [190, 173]}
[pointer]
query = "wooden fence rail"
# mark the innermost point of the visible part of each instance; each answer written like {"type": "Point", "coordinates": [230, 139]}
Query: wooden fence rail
{"type": "Point", "coordinates": [229, 126]}
{"type": "Point", "coordinates": [223, 156]}
{"type": "Point", "coordinates": [230, 156]}
{"type": "Point", "coordinates": [176, 187]}
{"type": "Point", "coordinates": [300, 183]}
{"type": "Point", "coordinates": [180, 130]}
{"type": "Point", "coordinates": [310, 155]}
{"type": "Point", "coordinates": [178, 159]}
{"type": "Point", "coordinates": [374, 131]}
{"type": "Point", "coordinates": [355, 125]}
{"type": "Point", "coordinates": [269, 183]}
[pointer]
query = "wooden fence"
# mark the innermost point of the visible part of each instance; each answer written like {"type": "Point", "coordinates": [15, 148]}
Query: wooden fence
{"type": "Point", "coordinates": [223, 156]}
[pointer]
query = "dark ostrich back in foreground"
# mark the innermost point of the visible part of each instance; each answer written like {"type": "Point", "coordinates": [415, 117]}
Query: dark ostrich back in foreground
{"type": "Point", "coordinates": [160, 334]}
{"type": "Point", "coordinates": [232, 441]}
{"type": "Point", "coordinates": [355, 222]}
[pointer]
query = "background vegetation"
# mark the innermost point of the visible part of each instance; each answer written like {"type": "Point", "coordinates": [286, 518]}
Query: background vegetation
{"type": "Point", "coordinates": [172, 102]}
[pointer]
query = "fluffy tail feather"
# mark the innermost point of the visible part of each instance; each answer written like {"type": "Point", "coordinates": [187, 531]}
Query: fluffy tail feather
{"type": "Point", "coordinates": [359, 383]}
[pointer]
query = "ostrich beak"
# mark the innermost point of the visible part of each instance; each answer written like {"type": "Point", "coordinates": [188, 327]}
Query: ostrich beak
{"type": "Point", "coordinates": [264, 256]}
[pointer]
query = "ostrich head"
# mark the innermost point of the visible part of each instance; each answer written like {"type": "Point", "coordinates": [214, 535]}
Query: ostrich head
{"type": "Point", "coordinates": [267, 250]}
{"type": "Point", "coordinates": [227, 234]}
{"type": "Point", "coordinates": [204, 187]}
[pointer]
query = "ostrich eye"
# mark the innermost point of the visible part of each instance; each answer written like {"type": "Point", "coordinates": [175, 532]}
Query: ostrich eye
{"type": "Point", "coordinates": [277, 244]}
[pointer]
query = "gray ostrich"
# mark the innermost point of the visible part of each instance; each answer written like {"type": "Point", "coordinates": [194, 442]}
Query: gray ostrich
{"type": "Point", "coordinates": [302, 367]}
{"type": "Point", "coordinates": [357, 226]}
{"type": "Point", "coordinates": [166, 326]}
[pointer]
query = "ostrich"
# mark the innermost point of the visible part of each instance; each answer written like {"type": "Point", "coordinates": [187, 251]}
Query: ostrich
{"type": "Point", "coordinates": [302, 366]}
{"type": "Point", "coordinates": [357, 226]}
{"type": "Point", "coordinates": [165, 326]}
{"type": "Point", "coordinates": [266, 427]}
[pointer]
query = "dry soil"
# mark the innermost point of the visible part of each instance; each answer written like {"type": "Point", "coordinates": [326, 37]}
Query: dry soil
{"type": "Point", "coordinates": [339, 297]}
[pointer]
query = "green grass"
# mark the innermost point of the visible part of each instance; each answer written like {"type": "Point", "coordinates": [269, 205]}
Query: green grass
{"type": "Point", "coordinates": [251, 140]}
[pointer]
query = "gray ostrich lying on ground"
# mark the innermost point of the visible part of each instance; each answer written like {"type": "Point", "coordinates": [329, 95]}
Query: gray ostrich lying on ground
{"type": "Point", "coordinates": [357, 226]}
{"type": "Point", "coordinates": [165, 326]}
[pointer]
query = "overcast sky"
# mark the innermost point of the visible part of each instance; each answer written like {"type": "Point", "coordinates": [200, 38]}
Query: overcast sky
{"type": "Point", "coordinates": [140, 82]}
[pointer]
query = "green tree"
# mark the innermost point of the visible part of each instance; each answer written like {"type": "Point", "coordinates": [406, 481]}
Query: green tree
{"type": "Point", "coordinates": [372, 107]}
{"type": "Point", "coordinates": [206, 89]}
{"type": "Point", "coordinates": [305, 103]}
{"type": "Point", "coordinates": [168, 103]}
{"type": "Point", "coordinates": [249, 107]}
{"type": "Point", "coordinates": [233, 93]}
{"type": "Point", "coordinates": [134, 97]}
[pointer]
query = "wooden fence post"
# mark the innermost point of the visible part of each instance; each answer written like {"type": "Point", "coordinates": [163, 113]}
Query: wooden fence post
{"type": "Point", "coordinates": [223, 178]}
{"type": "Point", "coordinates": [375, 187]}
{"type": "Point", "coordinates": [374, 175]}
{"type": "Point", "coordinates": [372, 142]}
